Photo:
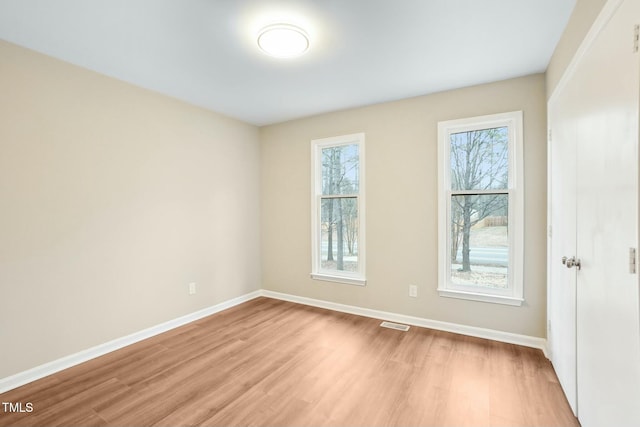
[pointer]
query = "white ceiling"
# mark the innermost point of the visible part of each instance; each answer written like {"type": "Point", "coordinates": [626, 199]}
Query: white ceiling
{"type": "Point", "coordinates": [362, 51]}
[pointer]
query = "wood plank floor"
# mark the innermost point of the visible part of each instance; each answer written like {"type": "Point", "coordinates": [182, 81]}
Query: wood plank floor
{"type": "Point", "coordinates": [273, 363]}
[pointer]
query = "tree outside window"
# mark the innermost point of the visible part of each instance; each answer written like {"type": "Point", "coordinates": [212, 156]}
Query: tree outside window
{"type": "Point", "coordinates": [339, 215]}
{"type": "Point", "coordinates": [479, 206]}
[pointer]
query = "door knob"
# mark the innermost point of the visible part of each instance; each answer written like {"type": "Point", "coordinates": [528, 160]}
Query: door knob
{"type": "Point", "coordinates": [571, 262]}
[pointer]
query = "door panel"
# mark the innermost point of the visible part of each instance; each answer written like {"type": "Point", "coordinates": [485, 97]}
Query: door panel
{"type": "Point", "coordinates": [562, 284]}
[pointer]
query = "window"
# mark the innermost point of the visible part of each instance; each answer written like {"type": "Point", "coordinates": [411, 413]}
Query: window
{"type": "Point", "coordinates": [337, 208]}
{"type": "Point", "coordinates": [481, 208]}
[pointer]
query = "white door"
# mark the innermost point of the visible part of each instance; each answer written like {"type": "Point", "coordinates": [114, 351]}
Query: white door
{"type": "Point", "coordinates": [596, 117]}
{"type": "Point", "coordinates": [608, 344]}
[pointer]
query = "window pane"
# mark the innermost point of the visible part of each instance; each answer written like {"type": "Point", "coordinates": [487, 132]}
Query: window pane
{"type": "Point", "coordinates": [340, 168]}
{"type": "Point", "coordinates": [480, 159]}
{"type": "Point", "coordinates": [339, 241]}
{"type": "Point", "coordinates": [480, 240]}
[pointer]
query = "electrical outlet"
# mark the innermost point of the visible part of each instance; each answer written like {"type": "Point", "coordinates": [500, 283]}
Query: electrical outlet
{"type": "Point", "coordinates": [192, 288]}
{"type": "Point", "coordinates": [413, 291]}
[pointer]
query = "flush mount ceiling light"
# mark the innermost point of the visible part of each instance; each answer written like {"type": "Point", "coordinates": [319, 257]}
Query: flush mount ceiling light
{"type": "Point", "coordinates": [283, 40]}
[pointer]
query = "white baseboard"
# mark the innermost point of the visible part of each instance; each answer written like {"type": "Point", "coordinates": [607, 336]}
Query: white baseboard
{"type": "Point", "coordinates": [507, 337]}
{"type": "Point", "coordinates": [46, 369]}
{"type": "Point", "coordinates": [49, 368]}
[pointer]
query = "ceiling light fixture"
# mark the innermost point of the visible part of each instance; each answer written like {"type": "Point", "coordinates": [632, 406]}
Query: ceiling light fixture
{"type": "Point", "coordinates": [283, 40]}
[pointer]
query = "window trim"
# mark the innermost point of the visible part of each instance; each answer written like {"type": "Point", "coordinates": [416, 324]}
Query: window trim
{"type": "Point", "coordinates": [514, 295]}
{"type": "Point", "coordinates": [346, 277]}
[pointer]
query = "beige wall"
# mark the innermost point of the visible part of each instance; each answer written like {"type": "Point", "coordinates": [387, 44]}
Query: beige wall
{"type": "Point", "coordinates": [113, 199]}
{"type": "Point", "coordinates": [401, 202]}
{"type": "Point", "coordinates": [584, 14]}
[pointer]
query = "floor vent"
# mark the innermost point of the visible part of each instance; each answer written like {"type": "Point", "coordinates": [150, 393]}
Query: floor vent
{"type": "Point", "coordinates": [396, 326]}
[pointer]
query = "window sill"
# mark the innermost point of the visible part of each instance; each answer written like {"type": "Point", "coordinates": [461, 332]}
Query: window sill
{"type": "Point", "coordinates": [339, 279]}
{"type": "Point", "coordinates": [495, 299]}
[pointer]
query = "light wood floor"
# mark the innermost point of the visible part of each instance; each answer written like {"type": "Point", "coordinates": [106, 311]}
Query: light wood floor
{"type": "Point", "coordinates": [273, 363]}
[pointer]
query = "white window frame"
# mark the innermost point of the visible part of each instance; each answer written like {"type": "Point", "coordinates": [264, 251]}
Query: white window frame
{"type": "Point", "coordinates": [514, 294]}
{"type": "Point", "coordinates": [317, 145]}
